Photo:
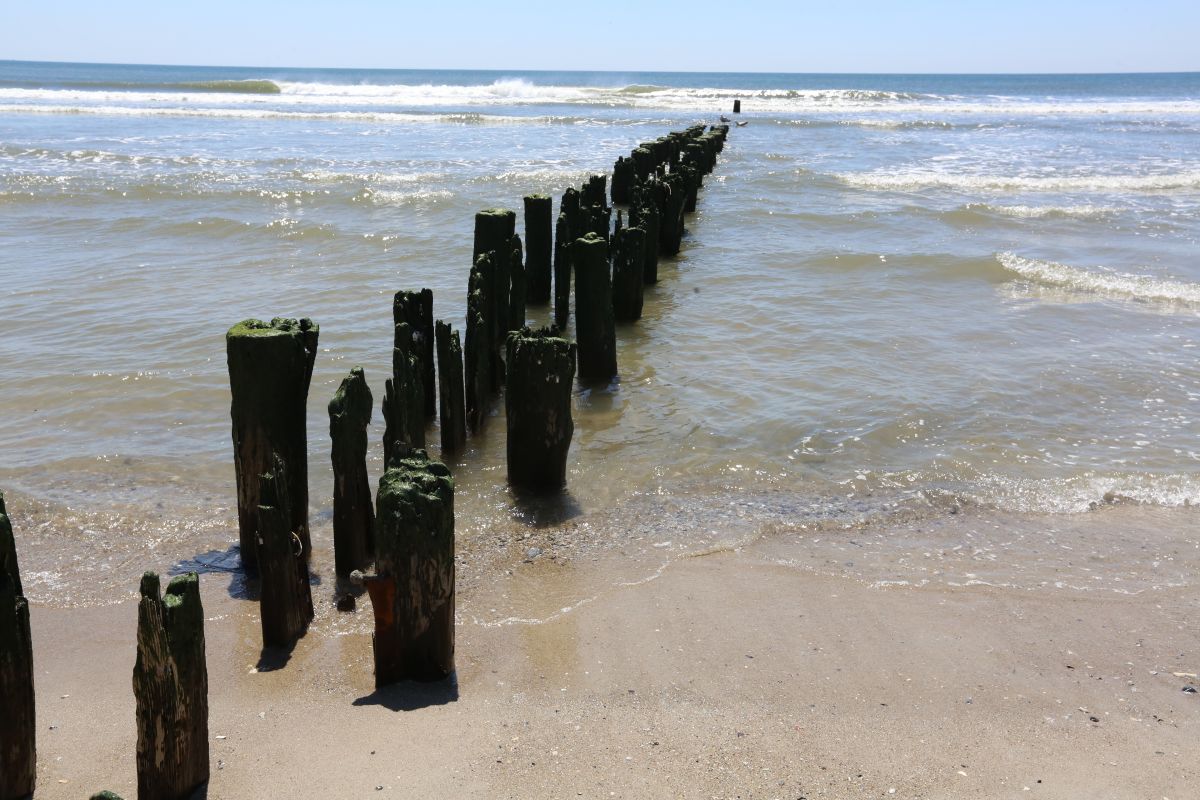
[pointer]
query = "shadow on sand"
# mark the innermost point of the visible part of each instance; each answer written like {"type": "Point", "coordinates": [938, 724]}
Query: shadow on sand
{"type": "Point", "coordinates": [412, 695]}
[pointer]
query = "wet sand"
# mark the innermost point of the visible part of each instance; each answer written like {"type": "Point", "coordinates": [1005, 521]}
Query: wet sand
{"type": "Point", "coordinates": [736, 674]}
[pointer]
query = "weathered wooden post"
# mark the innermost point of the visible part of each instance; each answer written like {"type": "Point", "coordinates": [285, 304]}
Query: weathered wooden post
{"type": "Point", "coordinates": [353, 515]}
{"type": "Point", "coordinates": [562, 271]}
{"type": "Point", "coordinates": [594, 326]}
{"type": "Point", "coordinates": [18, 726]}
{"type": "Point", "coordinates": [403, 397]}
{"type": "Point", "coordinates": [412, 592]}
{"type": "Point", "coordinates": [629, 255]}
{"type": "Point", "coordinates": [285, 606]}
{"type": "Point", "coordinates": [416, 309]}
{"type": "Point", "coordinates": [598, 220]}
{"type": "Point", "coordinates": [539, 242]}
{"type": "Point", "coordinates": [494, 229]}
{"type": "Point", "coordinates": [541, 374]}
{"type": "Point", "coordinates": [270, 367]}
{"type": "Point", "coordinates": [737, 106]}
{"type": "Point", "coordinates": [516, 292]}
{"type": "Point", "coordinates": [478, 366]}
{"type": "Point", "coordinates": [624, 174]}
{"type": "Point", "coordinates": [594, 192]}
{"type": "Point", "coordinates": [645, 213]}
{"type": "Point", "coordinates": [170, 687]}
{"type": "Point", "coordinates": [671, 230]}
{"type": "Point", "coordinates": [450, 377]}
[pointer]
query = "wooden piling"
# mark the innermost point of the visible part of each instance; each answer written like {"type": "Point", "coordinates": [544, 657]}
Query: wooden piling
{"type": "Point", "coordinates": [594, 192]}
{"type": "Point", "coordinates": [416, 309]}
{"type": "Point", "coordinates": [494, 229]}
{"type": "Point", "coordinates": [737, 106]}
{"type": "Point", "coordinates": [517, 286]}
{"type": "Point", "coordinates": [629, 253]}
{"type": "Point", "coordinates": [170, 687]}
{"type": "Point", "coordinates": [270, 368]}
{"type": "Point", "coordinates": [285, 606]}
{"type": "Point", "coordinates": [353, 514]}
{"type": "Point", "coordinates": [478, 364]}
{"type": "Point", "coordinates": [562, 271]}
{"type": "Point", "coordinates": [539, 244]}
{"type": "Point", "coordinates": [18, 724]}
{"type": "Point", "coordinates": [594, 326]}
{"type": "Point", "coordinates": [623, 177]}
{"type": "Point", "coordinates": [403, 397]}
{"type": "Point", "coordinates": [670, 233]}
{"type": "Point", "coordinates": [412, 592]}
{"type": "Point", "coordinates": [450, 388]}
{"type": "Point", "coordinates": [541, 374]}
{"type": "Point", "coordinates": [645, 213]}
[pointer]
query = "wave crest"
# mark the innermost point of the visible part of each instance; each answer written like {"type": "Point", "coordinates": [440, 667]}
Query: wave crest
{"type": "Point", "coordinates": [1102, 282]}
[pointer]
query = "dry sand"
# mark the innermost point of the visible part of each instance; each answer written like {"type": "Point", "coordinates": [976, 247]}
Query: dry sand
{"type": "Point", "coordinates": [737, 674]}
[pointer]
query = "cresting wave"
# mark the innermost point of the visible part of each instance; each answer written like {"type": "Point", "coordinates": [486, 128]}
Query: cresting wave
{"type": "Point", "coordinates": [516, 92]}
{"type": "Point", "coordinates": [1106, 283]}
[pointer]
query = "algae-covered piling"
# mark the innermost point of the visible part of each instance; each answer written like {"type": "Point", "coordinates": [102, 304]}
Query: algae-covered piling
{"type": "Point", "coordinates": [270, 368]}
{"type": "Point", "coordinates": [541, 374]}
{"type": "Point", "coordinates": [353, 516]}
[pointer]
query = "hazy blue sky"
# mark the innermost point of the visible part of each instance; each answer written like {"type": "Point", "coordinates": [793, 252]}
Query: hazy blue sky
{"type": "Point", "coordinates": [739, 35]}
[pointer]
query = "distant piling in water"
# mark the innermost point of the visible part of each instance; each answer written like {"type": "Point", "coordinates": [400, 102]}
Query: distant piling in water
{"type": "Point", "coordinates": [594, 325]}
{"type": "Point", "coordinates": [539, 245]}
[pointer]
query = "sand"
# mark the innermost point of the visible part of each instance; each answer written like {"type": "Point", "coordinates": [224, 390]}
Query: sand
{"type": "Point", "coordinates": [736, 674]}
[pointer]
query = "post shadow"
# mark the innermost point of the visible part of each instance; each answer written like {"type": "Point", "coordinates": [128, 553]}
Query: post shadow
{"type": "Point", "coordinates": [413, 695]}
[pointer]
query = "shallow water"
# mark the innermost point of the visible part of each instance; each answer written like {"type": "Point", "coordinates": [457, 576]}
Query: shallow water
{"type": "Point", "coordinates": [899, 295]}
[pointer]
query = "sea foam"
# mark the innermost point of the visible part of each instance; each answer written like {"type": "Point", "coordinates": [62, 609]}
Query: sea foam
{"type": "Point", "coordinates": [1100, 281]}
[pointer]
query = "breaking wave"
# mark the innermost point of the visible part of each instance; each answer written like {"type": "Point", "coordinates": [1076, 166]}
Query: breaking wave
{"type": "Point", "coordinates": [1101, 282]}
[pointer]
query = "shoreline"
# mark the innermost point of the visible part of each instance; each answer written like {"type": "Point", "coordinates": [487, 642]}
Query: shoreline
{"type": "Point", "coordinates": [729, 674]}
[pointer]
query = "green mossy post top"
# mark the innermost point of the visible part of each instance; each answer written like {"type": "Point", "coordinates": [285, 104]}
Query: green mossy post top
{"type": "Point", "coordinates": [277, 327]}
{"type": "Point", "coordinates": [538, 198]}
{"type": "Point", "coordinates": [496, 212]}
{"type": "Point", "coordinates": [591, 239]}
{"type": "Point", "coordinates": [415, 473]}
{"type": "Point", "coordinates": [105, 795]}
{"type": "Point", "coordinates": [549, 335]}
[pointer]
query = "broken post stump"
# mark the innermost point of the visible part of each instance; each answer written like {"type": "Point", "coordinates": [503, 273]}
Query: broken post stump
{"type": "Point", "coordinates": [18, 725]}
{"type": "Point", "coordinates": [478, 364]}
{"type": "Point", "coordinates": [450, 388]}
{"type": "Point", "coordinates": [403, 397]}
{"type": "Point", "coordinates": [353, 514]}
{"type": "Point", "coordinates": [562, 271]}
{"type": "Point", "coordinates": [412, 592]}
{"type": "Point", "coordinates": [270, 368]}
{"type": "Point", "coordinates": [629, 248]}
{"type": "Point", "coordinates": [594, 326]}
{"type": "Point", "coordinates": [416, 308]}
{"type": "Point", "coordinates": [170, 687]}
{"type": "Point", "coordinates": [285, 606]}
{"type": "Point", "coordinates": [539, 242]}
{"type": "Point", "coordinates": [541, 373]}
{"type": "Point", "coordinates": [593, 193]}
{"type": "Point", "coordinates": [737, 106]}
{"type": "Point", "coordinates": [517, 287]}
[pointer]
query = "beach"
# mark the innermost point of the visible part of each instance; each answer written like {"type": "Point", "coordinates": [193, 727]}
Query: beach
{"type": "Point", "coordinates": [895, 488]}
{"type": "Point", "coordinates": [725, 675]}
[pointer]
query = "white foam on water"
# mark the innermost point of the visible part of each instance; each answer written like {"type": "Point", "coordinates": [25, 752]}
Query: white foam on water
{"type": "Point", "coordinates": [1039, 212]}
{"type": "Point", "coordinates": [916, 180]}
{"type": "Point", "coordinates": [1101, 281]}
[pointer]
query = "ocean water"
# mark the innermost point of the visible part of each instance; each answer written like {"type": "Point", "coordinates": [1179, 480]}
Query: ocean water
{"type": "Point", "coordinates": [900, 296]}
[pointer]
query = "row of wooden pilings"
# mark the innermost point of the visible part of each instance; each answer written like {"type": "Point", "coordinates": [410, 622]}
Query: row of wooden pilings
{"type": "Point", "coordinates": [408, 533]}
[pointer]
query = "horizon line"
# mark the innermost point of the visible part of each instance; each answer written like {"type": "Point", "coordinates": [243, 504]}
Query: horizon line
{"type": "Point", "coordinates": [584, 71]}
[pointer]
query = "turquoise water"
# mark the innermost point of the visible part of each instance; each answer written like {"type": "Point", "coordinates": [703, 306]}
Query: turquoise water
{"type": "Point", "coordinates": [899, 294]}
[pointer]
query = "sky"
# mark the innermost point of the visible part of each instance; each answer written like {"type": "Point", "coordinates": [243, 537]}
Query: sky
{"type": "Point", "coordinates": [617, 35]}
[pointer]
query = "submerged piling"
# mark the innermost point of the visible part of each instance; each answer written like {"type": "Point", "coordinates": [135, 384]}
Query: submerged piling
{"type": "Point", "coordinates": [18, 725]}
{"type": "Point", "coordinates": [353, 515]}
{"type": "Point", "coordinates": [270, 368]}
{"type": "Point", "coordinates": [170, 687]}
{"type": "Point", "coordinates": [539, 243]}
{"type": "Point", "coordinates": [594, 326]}
{"type": "Point", "coordinates": [412, 592]}
{"type": "Point", "coordinates": [541, 373]}
{"type": "Point", "coordinates": [452, 411]}
{"type": "Point", "coordinates": [285, 599]}
{"type": "Point", "coordinates": [494, 230]}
